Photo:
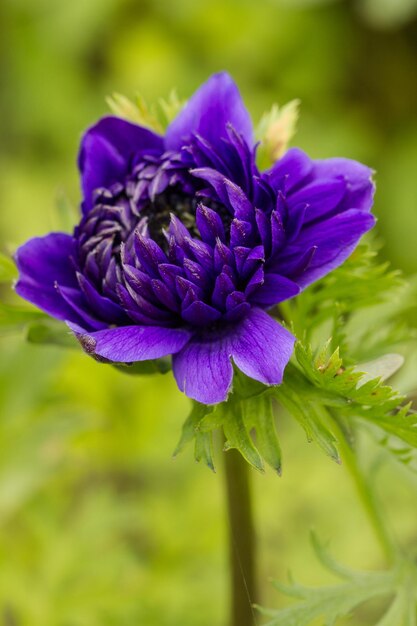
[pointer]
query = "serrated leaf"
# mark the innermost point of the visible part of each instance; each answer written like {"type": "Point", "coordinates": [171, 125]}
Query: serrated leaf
{"type": "Point", "coordinates": [337, 601]}
{"type": "Point", "coordinates": [8, 270]}
{"type": "Point", "coordinates": [343, 292]}
{"type": "Point", "coordinates": [238, 437]}
{"type": "Point", "coordinates": [258, 414]}
{"type": "Point", "coordinates": [198, 412]}
{"type": "Point", "coordinates": [308, 415]}
{"type": "Point", "coordinates": [203, 450]}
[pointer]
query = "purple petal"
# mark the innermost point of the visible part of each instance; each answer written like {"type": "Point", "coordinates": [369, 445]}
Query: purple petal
{"type": "Point", "coordinates": [335, 239]}
{"type": "Point", "coordinates": [203, 370]}
{"type": "Point", "coordinates": [214, 105]}
{"type": "Point", "coordinates": [128, 344]}
{"type": "Point", "coordinates": [77, 303]}
{"type": "Point", "coordinates": [106, 149]}
{"type": "Point", "coordinates": [222, 288]}
{"type": "Point", "coordinates": [105, 308]}
{"type": "Point", "coordinates": [321, 197]}
{"type": "Point", "coordinates": [357, 178]}
{"type": "Point", "coordinates": [42, 262]}
{"type": "Point", "coordinates": [243, 208]}
{"type": "Point", "coordinates": [290, 171]}
{"type": "Point", "coordinates": [209, 224]}
{"type": "Point", "coordinates": [274, 289]}
{"type": "Point", "coordinates": [48, 259]}
{"type": "Point", "coordinates": [261, 347]}
{"type": "Point", "coordinates": [199, 313]}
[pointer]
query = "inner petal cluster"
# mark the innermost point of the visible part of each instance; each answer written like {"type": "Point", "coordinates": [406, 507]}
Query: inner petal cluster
{"type": "Point", "coordinates": [168, 248]}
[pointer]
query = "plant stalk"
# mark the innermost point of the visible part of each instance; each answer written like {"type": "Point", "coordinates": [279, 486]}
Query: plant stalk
{"type": "Point", "coordinates": [242, 546]}
{"type": "Point", "coordinates": [366, 494]}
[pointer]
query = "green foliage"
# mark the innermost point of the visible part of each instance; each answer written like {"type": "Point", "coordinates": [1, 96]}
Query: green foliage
{"type": "Point", "coordinates": [51, 332]}
{"type": "Point", "coordinates": [318, 386]}
{"type": "Point", "coordinates": [275, 131]}
{"type": "Point", "coordinates": [175, 525]}
{"type": "Point", "coordinates": [155, 117]}
{"type": "Point", "coordinates": [359, 283]}
{"type": "Point", "coordinates": [12, 316]}
{"type": "Point", "coordinates": [398, 585]}
{"type": "Point", "coordinates": [8, 270]}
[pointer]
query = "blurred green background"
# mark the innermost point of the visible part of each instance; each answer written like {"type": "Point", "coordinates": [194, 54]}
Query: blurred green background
{"type": "Point", "coordinates": [98, 525]}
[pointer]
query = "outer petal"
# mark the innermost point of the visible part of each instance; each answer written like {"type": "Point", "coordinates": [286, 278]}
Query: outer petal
{"type": "Point", "coordinates": [42, 263]}
{"type": "Point", "coordinates": [259, 346]}
{"type": "Point", "coordinates": [203, 369]}
{"type": "Point", "coordinates": [335, 238]}
{"type": "Point", "coordinates": [127, 344]}
{"type": "Point", "coordinates": [358, 179]}
{"type": "Point", "coordinates": [214, 105]}
{"type": "Point", "coordinates": [106, 149]}
{"type": "Point", "coordinates": [262, 347]}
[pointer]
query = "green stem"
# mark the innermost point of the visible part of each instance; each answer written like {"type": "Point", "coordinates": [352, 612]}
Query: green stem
{"type": "Point", "coordinates": [241, 540]}
{"type": "Point", "coordinates": [365, 493]}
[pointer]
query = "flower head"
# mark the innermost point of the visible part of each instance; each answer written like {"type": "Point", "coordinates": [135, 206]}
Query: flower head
{"type": "Point", "coordinates": [183, 244]}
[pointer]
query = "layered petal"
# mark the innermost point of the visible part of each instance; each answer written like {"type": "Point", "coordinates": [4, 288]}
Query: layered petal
{"type": "Point", "coordinates": [215, 105]}
{"type": "Point", "coordinates": [333, 240]}
{"type": "Point", "coordinates": [259, 346]}
{"type": "Point", "coordinates": [105, 152]}
{"type": "Point", "coordinates": [44, 262]}
{"type": "Point", "coordinates": [357, 177]}
{"type": "Point", "coordinates": [128, 344]}
{"type": "Point", "coordinates": [203, 369]}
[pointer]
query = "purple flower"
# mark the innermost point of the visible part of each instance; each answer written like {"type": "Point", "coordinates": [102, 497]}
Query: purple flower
{"type": "Point", "coordinates": [183, 244]}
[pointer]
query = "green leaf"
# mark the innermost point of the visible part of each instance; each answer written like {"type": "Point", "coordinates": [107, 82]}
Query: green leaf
{"type": "Point", "coordinates": [308, 414]}
{"type": "Point", "coordinates": [258, 414]}
{"type": "Point", "coordinates": [332, 603]}
{"type": "Point", "coordinates": [8, 270]}
{"type": "Point", "coordinates": [343, 292]}
{"type": "Point", "coordinates": [51, 332]}
{"type": "Point", "coordinates": [16, 316]}
{"type": "Point", "coordinates": [203, 450]}
{"type": "Point", "coordinates": [198, 411]}
{"type": "Point", "coordinates": [237, 435]}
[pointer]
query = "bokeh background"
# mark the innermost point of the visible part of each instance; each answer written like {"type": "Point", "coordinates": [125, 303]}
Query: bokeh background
{"type": "Point", "coordinates": [98, 525]}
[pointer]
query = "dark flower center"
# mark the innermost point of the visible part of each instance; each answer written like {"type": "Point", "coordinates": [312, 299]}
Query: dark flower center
{"type": "Point", "coordinates": [174, 201]}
